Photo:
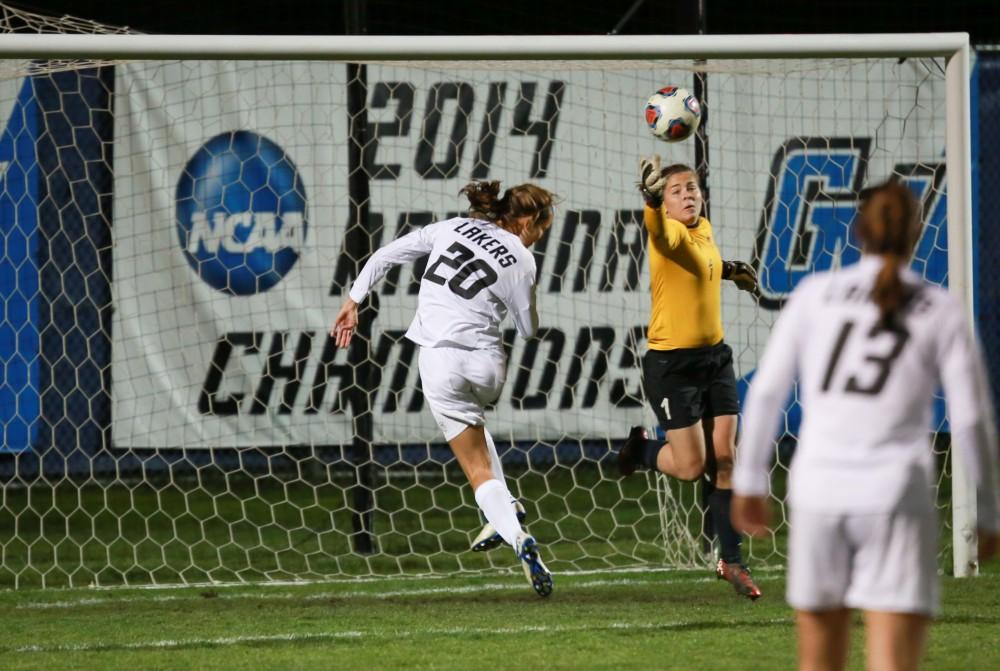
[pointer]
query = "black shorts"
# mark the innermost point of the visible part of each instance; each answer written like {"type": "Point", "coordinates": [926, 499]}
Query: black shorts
{"type": "Point", "coordinates": [685, 385]}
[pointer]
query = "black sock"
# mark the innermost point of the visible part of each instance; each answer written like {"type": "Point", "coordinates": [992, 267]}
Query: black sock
{"type": "Point", "coordinates": [729, 539]}
{"type": "Point", "coordinates": [648, 452]}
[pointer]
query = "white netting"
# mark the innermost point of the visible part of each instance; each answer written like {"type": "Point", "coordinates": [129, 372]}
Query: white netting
{"type": "Point", "coordinates": [14, 20]}
{"type": "Point", "coordinates": [180, 234]}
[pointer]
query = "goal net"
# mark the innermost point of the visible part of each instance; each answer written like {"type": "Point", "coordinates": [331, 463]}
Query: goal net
{"type": "Point", "coordinates": [180, 232]}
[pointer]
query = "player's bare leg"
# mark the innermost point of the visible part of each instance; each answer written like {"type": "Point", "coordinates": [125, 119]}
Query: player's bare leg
{"type": "Point", "coordinates": [824, 637]}
{"type": "Point", "coordinates": [683, 455]}
{"type": "Point", "coordinates": [722, 432]}
{"type": "Point", "coordinates": [684, 459]}
{"type": "Point", "coordinates": [895, 641]}
{"type": "Point", "coordinates": [469, 448]}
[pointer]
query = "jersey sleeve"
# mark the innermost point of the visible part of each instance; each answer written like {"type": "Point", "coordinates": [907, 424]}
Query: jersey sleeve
{"type": "Point", "coordinates": [522, 305]}
{"type": "Point", "coordinates": [519, 297]}
{"type": "Point", "coordinates": [970, 412]}
{"type": "Point", "coordinates": [663, 231]}
{"type": "Point", "coordinates": [766, 399]}
{"type": "Point", "coordinates": [401, 250]}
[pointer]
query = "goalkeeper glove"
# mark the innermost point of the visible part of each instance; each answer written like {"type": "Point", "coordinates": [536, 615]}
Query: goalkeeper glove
{"type": "Point", "coordinates": [741, 273]}
{"type": "Point", "coordinates": [651, 180]}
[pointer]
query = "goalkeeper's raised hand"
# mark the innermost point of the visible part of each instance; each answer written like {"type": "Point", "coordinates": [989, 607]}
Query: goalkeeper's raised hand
{"type": "Point", "coordinates": [651, 180]}
{"type": "Point", "coordinates": [741, 273]}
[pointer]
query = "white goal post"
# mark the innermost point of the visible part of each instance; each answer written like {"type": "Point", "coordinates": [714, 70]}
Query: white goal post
{"type": "Point", "coordinates": [172, 120]}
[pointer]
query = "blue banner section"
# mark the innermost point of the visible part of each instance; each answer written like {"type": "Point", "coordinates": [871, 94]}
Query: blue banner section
{"type": "Point", "coordinates": [807, 221]}
{"type": "Point", "coordinates": [805, 225]}
{"type": "Point", "coordinates": [74, 212]}
{"type": "Point", "coordinates": [19, 325]}
{"type": "Point", "coordinates": [986, 195]}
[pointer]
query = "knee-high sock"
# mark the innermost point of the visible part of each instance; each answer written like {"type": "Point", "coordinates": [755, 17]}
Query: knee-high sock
{"type": "Point", "coordinates": [494, 500]}
{"type": "Point", "coordinates": [648, 452]}
{"type": "Point", "coordinates": [495, 466]}
{"type": "Point", "coordinates": [729, 538]}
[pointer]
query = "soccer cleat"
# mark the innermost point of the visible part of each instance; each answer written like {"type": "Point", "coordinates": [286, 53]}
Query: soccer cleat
{"type": "Point", "coordinates": [488, 538]}
{"type": "Point", "coordinates": [534, 570]}
{"type": "Point", "coordinates": [629, 454]}
{"type": "Point", "coordinates": [739, 577]}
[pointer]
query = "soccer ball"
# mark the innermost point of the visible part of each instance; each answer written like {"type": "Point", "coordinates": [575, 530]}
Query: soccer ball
{"type": "Point", "coordinates": [672, 114]}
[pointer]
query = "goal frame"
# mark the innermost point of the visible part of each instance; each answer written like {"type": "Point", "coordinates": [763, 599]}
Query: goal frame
{"type": "Point", "coordinates": [952, 47]}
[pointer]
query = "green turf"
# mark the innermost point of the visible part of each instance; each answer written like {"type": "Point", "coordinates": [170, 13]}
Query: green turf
{"type": "Point", "coordinates": [211, 526]}
{"type": "Point", "coordinates": [638, 620]}
{"type": "Point", "coordinates": [233, 527]}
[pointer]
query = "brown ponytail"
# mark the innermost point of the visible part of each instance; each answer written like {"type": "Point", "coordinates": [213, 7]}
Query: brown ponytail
{"type": "Point", "coordinates": [888, 226]}
{"type": "Point", "coordinates": [507, 211]}
{"type": "Point", "coordinates": [484, 200]}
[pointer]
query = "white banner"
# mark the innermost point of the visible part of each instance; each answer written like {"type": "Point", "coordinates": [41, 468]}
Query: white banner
{"type": "Point", "coordinates": [231, 204]}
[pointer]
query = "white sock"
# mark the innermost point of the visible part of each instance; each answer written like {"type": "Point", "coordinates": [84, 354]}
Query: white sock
{"type": "Point", "coordinates": [495, 466]}
{"type": "Point", "coordinates": [494, 500]}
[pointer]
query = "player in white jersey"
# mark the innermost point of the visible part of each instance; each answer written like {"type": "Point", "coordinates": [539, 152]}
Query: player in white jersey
{"type": "Point", "coordinates": [869, 345]}
{"type": "Point", "coordinates": [479, 270]}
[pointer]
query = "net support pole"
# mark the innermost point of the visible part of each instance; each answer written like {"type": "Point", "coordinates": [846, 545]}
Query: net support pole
{"type": "Point", "coordinates": [959, 169]}
{"type": "Point", "coordinates": [358, 244]}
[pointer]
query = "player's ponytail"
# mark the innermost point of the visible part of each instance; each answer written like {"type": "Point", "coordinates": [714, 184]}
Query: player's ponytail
{"type": "Point", "coordinates": [888, 292]}
{"type": "Point", "coordinates": [508, 211]}
{"type": "Point", "coordinates": [888, 226]}
{"type": "Point", "coordinates": [484, 200]}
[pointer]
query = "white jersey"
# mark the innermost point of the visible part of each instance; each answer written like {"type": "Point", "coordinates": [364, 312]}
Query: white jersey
{"type": "Point", "coordinates": [866, 392]}
{"type": "Point", "coordinates": [476, 273]}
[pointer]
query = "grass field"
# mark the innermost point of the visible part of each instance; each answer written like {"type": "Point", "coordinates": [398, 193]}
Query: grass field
{"type": "Point", "coordinates": [244, 529]}
{"type": "Point", "coordinates": [95, 547]}
{"type": "Point", "coordinates": [633, 620]}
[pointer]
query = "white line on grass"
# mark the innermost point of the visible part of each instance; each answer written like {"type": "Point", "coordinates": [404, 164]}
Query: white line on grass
{"type": "Point", "coordinates": [374, 580]}
{"type": "Point", "coordinates": [393, 634]}
{"type": "Point", "coordinates": [517, 586]}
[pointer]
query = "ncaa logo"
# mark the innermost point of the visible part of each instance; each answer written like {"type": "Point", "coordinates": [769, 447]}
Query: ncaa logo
{"type": "Point", "coordinates": [241, 213]}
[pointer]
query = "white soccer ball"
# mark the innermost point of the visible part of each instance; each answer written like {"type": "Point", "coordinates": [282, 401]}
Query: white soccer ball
{"type": "Point", "coordinates": [672, 114]}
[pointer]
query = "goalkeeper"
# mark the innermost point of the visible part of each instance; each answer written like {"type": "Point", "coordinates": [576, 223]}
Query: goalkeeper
{"type": "Point", "coordinates": [688, 372]}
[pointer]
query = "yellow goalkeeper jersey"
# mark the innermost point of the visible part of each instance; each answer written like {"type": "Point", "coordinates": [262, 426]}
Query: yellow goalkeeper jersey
{"type": "Point", "coordinates": [685, 270]}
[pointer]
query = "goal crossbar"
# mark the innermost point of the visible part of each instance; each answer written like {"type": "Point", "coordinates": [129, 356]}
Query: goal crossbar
{"type": "Point", "coordinates": [502, 47]}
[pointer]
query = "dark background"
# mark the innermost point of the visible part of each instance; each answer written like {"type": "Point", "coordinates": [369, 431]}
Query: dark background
{"type": "Point", "coordinates": [980, 18]}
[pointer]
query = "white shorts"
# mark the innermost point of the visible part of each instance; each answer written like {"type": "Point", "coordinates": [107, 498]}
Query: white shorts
{"type": "Point", "coordinates": [459, 383]}
{"type": "Point", "coordinates": [879, 561]}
